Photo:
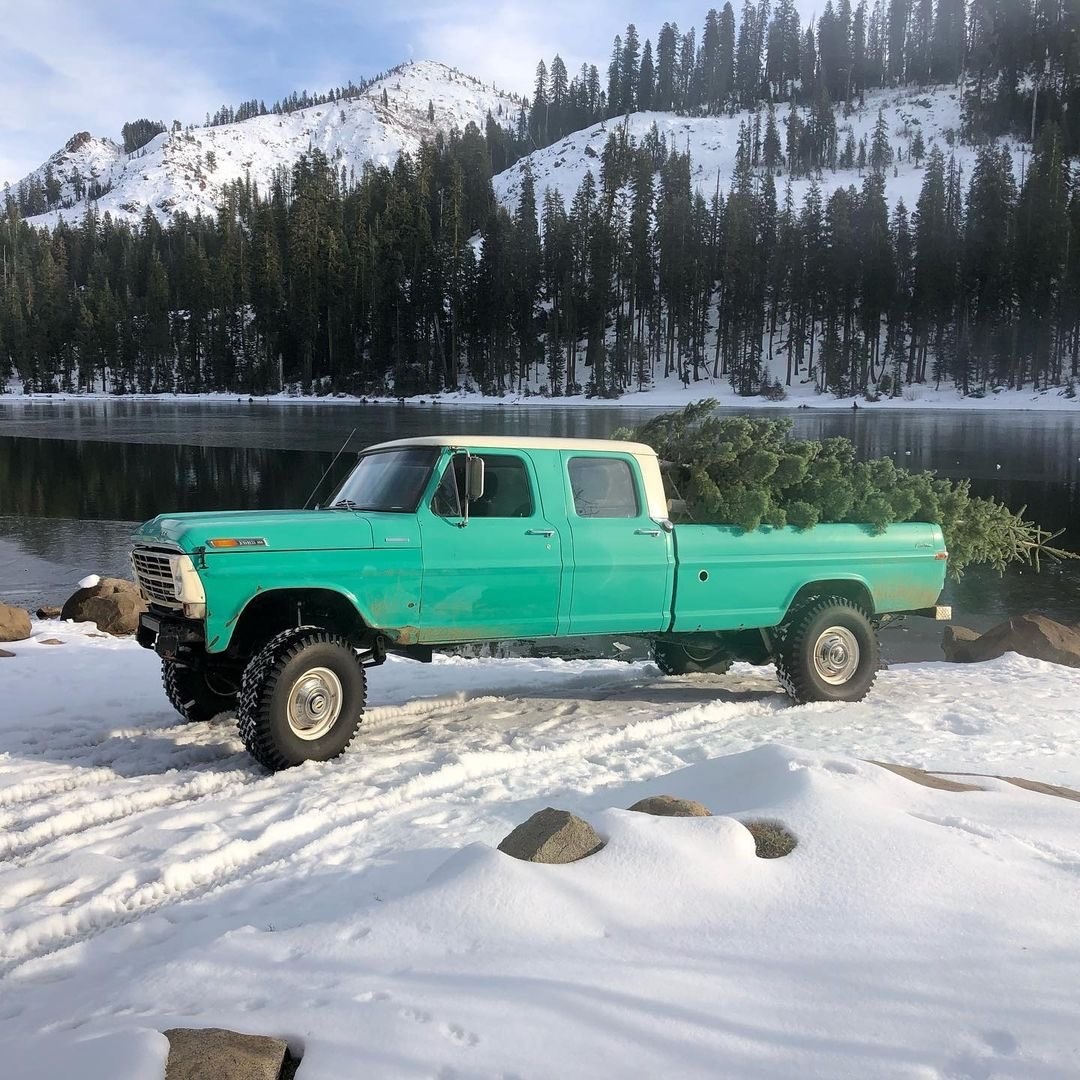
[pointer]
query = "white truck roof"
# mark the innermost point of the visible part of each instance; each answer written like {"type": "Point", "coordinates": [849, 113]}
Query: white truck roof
{"type": "Point", "coordinates": [516, 442]}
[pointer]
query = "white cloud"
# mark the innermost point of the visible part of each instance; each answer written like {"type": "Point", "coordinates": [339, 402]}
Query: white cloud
{"type": "Point", "coordinates": [79, 75]}
{"type": "Point", "coordinates": [71, 65]}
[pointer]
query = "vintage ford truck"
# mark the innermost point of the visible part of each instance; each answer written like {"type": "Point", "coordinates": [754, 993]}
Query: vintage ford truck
{"type": "Point", "coordinates": [444, 540]}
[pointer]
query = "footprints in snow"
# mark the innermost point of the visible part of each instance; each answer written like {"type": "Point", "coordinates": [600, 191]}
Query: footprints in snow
{"type": "Point", "coordinates": [1062, 858]}
{"type": "Point", "coordinates": [453, 1033]}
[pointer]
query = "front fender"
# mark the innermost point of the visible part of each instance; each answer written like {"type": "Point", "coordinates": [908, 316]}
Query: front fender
{"type": "Point", "coordinates": [382, 585]}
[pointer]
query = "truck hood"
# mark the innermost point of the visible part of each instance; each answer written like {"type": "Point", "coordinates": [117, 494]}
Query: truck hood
{"type": "Point", "coordinates": [260, 530]}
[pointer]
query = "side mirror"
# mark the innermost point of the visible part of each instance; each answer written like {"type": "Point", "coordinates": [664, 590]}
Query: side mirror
{"type": "Point", "coordinates": [474, 479]}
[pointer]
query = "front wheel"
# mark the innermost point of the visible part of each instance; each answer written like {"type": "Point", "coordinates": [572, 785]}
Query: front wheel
{"type": "Point", "coordinates": [828, 651]}
{"type": "Point", "coordinates": [301, 699]}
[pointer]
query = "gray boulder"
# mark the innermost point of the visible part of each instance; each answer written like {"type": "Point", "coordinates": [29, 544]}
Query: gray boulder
{"type": "Point", "coordinates": [113, 605]}
{"type": "Point", "coordinates": [1030, 635]}
{"type": "Point", "coordinates": [552, 836]}
{"type": "Point", "coordinates": [669, 806]}
{"type": "Point", "coordinates": [956, 643]}
{"type": "Point", "coordinates": [14, 623]}
{"type": "Point", "coordinates": [48, 611]}
{"type": "Point", "coordinates": [217, 1054]}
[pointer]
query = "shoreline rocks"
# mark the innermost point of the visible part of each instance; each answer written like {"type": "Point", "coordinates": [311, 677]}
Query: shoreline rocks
{"type": "Point", "coordinates": [112, 605]}
{"type": "Point", "coordinates": [1032, 635]}
{"type": "Point", "coordinates": [14, 623]}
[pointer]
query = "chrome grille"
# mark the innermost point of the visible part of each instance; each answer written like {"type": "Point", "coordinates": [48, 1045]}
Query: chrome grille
{"type": "Point", "coordinates": [153, 572]}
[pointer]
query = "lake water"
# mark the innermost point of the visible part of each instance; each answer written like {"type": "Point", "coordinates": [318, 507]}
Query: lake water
{"type": "Point", "coordinates": [76, 476]}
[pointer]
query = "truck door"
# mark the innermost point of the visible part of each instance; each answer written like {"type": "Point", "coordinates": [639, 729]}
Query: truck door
{"type": "Point", "coordinates": [498, 576]}
{"type": "Point", "coordinates": [623, 561]}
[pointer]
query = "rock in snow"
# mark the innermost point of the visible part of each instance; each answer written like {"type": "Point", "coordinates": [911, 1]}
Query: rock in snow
{"type": "Point", "coordinates": [670, 806]}
{"type": "Point", "coordinates": [552, 836]}
{"type": "Point", "coordinates": [217, 1054]}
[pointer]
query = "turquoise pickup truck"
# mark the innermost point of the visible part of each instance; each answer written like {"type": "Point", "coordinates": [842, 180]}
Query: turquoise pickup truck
{"type": "Point", "coordinates": [439, 541]}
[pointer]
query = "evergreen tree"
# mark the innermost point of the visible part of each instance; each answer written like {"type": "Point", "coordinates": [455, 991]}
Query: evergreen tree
{"type": "Point", "coordinates": [899, 19]}
{"type": "Point", "coordinates": [615, 105]}
{"type": "Point", "coordinates": [667, 46]}
{"type": "Point", "coordinates": [771, 152]}
{"type": "Point", "coordinates": [947, 47]}
{"type": "Point", "coordinates": [881, 154]}
{"type": "Point", "coordinates": [646, 78]}
{"type": "Point", "coordinates": [630, 70]}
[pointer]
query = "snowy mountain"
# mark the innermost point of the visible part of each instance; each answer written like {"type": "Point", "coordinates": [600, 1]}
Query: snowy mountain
{"type": "Point", "coordinates": [188, 170]}
{"type": "Point", "coordinates": [712, 143]}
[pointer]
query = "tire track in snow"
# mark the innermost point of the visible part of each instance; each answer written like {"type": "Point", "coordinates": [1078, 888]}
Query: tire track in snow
{"type": "Point", "coordinates": [130, 755]}
{"type": "Point", "coordinates": [332, 827]}
{"type": "Point", "coordinates": [20, 846]}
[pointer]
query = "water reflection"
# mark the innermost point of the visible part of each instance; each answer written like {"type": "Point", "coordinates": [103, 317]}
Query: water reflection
{"type": "Point", "coordinates": [134, 481]}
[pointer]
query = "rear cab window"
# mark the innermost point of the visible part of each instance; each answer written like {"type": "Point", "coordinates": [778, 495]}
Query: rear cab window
{"type": "Point", "coordinates": [603, 487]}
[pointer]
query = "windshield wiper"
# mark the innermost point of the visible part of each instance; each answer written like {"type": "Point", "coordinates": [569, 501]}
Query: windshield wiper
{"type": "Point", "coordinates": [345, 504]}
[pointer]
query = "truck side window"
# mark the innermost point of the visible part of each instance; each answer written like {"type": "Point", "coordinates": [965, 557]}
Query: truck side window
{"type": "Point", "coordinates": [506, 489]}
{"type": "Point", "coordinates": [603, 487]}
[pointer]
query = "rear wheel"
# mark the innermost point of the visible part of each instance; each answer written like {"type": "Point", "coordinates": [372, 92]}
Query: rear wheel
{"type": "Point", "coordinates": [680, 658]}
{"type": "Point", "coordinates": [828, 651]}
{"type": "Point", "coordinates": [301, 699]}
{"type": "Point", "coordinates": [197, 693]}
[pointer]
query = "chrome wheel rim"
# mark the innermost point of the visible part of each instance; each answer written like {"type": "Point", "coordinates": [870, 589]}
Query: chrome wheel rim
{"type": "Point", "coordinates": [836, 655]}
{"type": "Point", "coordinates": [314, 703]}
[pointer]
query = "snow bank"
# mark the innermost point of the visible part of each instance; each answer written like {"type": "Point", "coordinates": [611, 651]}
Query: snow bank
{"type": "Point", "coordinates": [153, 876]}
{"type": "Point", "coordinates": [669, 393]}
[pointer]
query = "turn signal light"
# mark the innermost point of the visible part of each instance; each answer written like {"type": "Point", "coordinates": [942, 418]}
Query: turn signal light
{"type": "Point", "coordinates": [940, 556]}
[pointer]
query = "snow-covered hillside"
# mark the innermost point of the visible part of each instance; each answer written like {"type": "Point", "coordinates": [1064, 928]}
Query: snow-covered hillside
{"type": "Point", "coordinates": [152, 876]}
{"type": "Point", "coordinates": [187, 170]}
{"type": "Point", "coordinates": [712, 142]}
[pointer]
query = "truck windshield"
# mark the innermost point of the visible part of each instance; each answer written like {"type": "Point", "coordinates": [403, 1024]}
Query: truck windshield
{"type": "Point", "coordinates": [390, 481]}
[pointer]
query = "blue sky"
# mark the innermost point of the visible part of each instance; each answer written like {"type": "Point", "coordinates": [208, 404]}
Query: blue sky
{"type": "Point", "coordinates": [77, 65]}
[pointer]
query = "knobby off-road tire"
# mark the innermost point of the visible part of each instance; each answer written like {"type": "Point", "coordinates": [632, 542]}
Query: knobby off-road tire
{"type": "Point", "coordinates": [827, 651]}
{"type": "Point", "coordinates": [193, 694]}
{"type": "Point", "coordinates": [301, 699]}
{"type": "Point", "coordinates": [676, 658]}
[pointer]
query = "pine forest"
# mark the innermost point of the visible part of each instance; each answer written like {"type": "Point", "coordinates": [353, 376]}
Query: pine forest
{"type": "Point", "coordinates": [413, 278]}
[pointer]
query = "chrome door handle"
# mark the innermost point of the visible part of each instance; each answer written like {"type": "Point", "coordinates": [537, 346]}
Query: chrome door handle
{"type": "Point", "coordinates": [539, 532]}
{"type": "Point", "coordinates": [646, 532]}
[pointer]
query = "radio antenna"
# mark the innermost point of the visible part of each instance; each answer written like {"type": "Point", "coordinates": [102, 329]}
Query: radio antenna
{"type": "Point", "coordinates": [348, 439]}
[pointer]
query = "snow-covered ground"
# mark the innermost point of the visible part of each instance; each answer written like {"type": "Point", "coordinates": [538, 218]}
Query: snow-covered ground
{"type": "Point", "coordinates": [712, 142]}
{"type": "Point", "coordinates": [188, 170]}
{"type": "Point", "coordinates": [665, 394]}
{"type": "Point", "coordinates": [152, 876]}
